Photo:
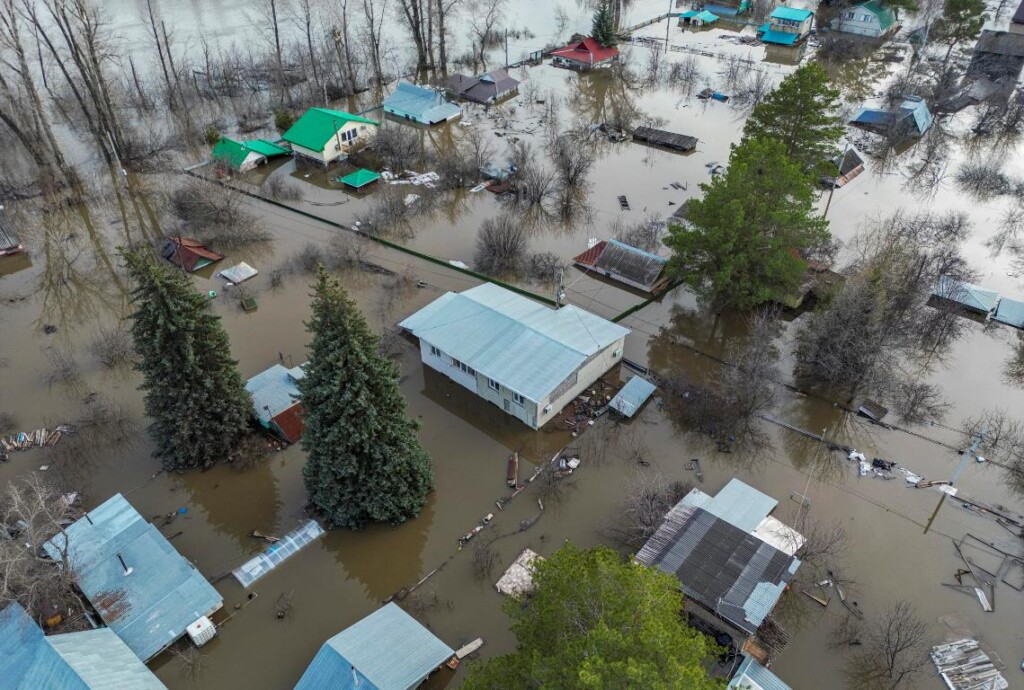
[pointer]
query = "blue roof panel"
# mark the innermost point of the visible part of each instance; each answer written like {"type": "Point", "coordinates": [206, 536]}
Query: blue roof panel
{"type": "Point", "coordinates": [1010, 312]}
{"type": "Point", "coordinates": [968, 295]}
{"type": "Point", "coordinates": [421, 103]}
{"type": "Point", "coordinates": [779, 37]}
{"type": "Point", "coordinates": [741, 505]}
{"type": "Point", "coordinates": [153, 605]}
{"type": "Point", "coordinates": [387, 650]}
{"type": "Point", "coordinates": [753, 676]}
{"type": "Point", "coordinates": [632, 396]}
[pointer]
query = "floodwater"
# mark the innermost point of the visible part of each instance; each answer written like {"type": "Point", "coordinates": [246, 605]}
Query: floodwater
{"type": "Point", "coordinates": [71, 281]}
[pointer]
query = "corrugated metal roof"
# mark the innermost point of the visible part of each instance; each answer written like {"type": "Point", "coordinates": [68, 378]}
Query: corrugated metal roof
{"type": "Point", "coordinates": [782, 38]}
{"type": "Point", "coordinates": [631, 264]}
{"type": "Point", "coordinates": [918, 110]}
{"type": "Point", "coordinates": [266, 148]}
{"type": "Point", "coordinates": [753, 676]}
{"type": "Point", "coordinates": [1010, 312]}
{"type": "Point", "coordinates": [317, 125]}
{"type": "Point", "coordinates": [387, 650]}
{"type": "Point", "coordinates": [522, 344]}
{"type": "Point", "coordinates": [150, 608]}
{"type": "Point", "coordinates": [741, 505]}
{"type": "Point", "coordinates": [966, 294]}
{"type": "Point", "coordinates": [232, 152]}
{"type": "Point", "coordinates": [719, 565]}
{"type": "Point", "coordinates": [90, 660]}
{"type": "Point", "coordinates": [9, 240]}
{"type": "Point", "coordinates": [632, 396]}
{"type": "Point", "coordinates": [588, 51]}
{"type": "Point", "coordinates": [421, 103]}
{"type": "Point", "coordinates": [791, 14]}
{"type": "Point", "coordinates": [274, 390]}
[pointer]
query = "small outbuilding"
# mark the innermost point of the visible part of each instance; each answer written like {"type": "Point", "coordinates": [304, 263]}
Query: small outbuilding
{"type": "Point", "coordinates": [325, 135]}
{"type": "Point", "coordinates": [973, 298]}
{"type": "Point", "coordinates": [670, 140]}
{"type": "Point", "coordinates": [632, 396]}
{"type": "Point", "coordinates": [584, 55]}
{"type": "Point", "coordinates": [847, 166]}
{"type": "Point", "coordinates": [697, 18]}
{"type": "Point", "coordinates": [487, 88]}
{"type": "Point", "coordinates": [387, 650]}
{"type": "Point", "coordinates": [275, 403]}
{"type": "Point", "coordinates": [246, 155]}
{"type": "Point", "coordinates": [912, 119]}
{"type": "Point", "coordinates": [142, 588]}
{"type": "Point", "coordinates": [420, 104]}
{"type": "Point", "coordinates": [360, 178]}
{"type": "Point", "coordinates": [188, 253]}
{"type": "Point", "coordinates": [10, 242]}
{"type": "Point", "coordinates": [518, 579]}
{"type": "Point", "coordinates": [87, 660]}
{"type": "Point", "coordinates": [625, 264]}
{"type": "Point", "coordinates": [786, 26]}
{"type": "Point", "coordinates": [871, 19]}
{"type": "Point", "coordinates": [1010, 312]}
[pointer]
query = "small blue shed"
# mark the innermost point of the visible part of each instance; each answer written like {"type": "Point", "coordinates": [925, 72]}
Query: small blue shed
{"type": "Point", "coordinates": [632, 396]}
{"type": "Point", "coordinates": [967, 295]}
{"type": "Point", "coordinates": [143, 589]}
{"type": "Point", "coordinates": [387, 650]}
{"type": "Point", "coordinates": [417, 103]}
{"type": "Point", "coordinates": [1010, 312]}
{"type": "Point", "coordinates": [87, 660]}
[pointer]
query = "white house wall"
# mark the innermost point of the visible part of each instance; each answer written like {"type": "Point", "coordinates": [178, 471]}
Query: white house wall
{"type": "Point", "coordinates": [251, 161]}
{"type": "Point", "coordinates": [590, 372]}
{"type": "Point", "coordinates": [333, 150]}
{"type": "Point", "coordinates": [861, 27]}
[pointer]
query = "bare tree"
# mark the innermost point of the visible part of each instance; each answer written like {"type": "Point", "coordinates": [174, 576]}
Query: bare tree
{"type": "Point", "coordinates": [398, 147]}
{"type": "Point", "coordinates": [373, 29]}
{"type": "Point", "coordinates": [894, 652]}
{"type": "Point", "coordinates": [500, 246]}
{"type": "Point", "coordinates": [644, 509]}
{"type": "Point", "coordinates": [216, 215]}
{"type": "Point", "coordinates": [484, 18]}
{"type": "Point", "coordinates": [1003, 439]}
{"type": "Point", "coordinates": [644, 235]}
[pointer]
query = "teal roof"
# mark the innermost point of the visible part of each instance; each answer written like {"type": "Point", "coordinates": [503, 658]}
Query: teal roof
{"type": "Point", "coordinates": [360, 178]}
{"type": "Point", "coordinates": [422, 104]}
{"type": "Point", "coordinates": [703, 15]}
{"type": "Point", "coordinates": [149, 608]}
{"type": "Point", "coordinates": [266, 148]}
{"type": "Point", "coordinates": [387, 650]}
{"type": "Point", "coordinates": [317, 125]}
{"type": "Point", "coordinates": [524, 345]}
{"type": "Point", "coordinates": [782, 38]}
{"type": "Point", "coordinates": [966, 294]}
{"type": "Point", "coordinates": [886, 17]}
{"type": "Point", "coordinates": [753, 676]}
{"type": "Point", "coordinates": [791, 13]}
{"type": "Point", "coordinates": [1010, 312]}
{"type": "Point", "coordinates": [88, 660]}
{"type": "Point", "coordinates": [231, 152]}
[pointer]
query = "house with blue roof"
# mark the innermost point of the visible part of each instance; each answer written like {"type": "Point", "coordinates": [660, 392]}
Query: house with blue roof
{"type": "Point", "coordinates": [912, 119]}
{"type": "Point", "coordinates": [87, 660]}
{"type": "Point", "coordinates": [786, 26]}
{"type": "Point", "coordinates": [528, 359]}
{"type": "Point", "coordinates": [275, 401]}
{"type": "Point", "coordinates": [420, 104]}
{"type": "Point", "coordinates": [751, 675]}
{"type": "Point", "coordinates": [387, 650]}
{"type": "Point", "coordinates": [141, 587]}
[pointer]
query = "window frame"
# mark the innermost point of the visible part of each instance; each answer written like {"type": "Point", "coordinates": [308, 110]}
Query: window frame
{"type": "Point", "coordinates": [493, 385]}
{"type": "Point", "coordinates": [435, 351]}
{"type": "Point", "coordinates": [518, 398]}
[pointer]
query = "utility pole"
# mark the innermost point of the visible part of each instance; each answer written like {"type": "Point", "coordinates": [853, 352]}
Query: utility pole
{"type": "Point", "coordinates": [506, 48]}
{"type": "Point", "coordinates": [559, 292]}
{"type": "Point", "coordinates": [971, 452]}
{"type": "Point", "coordinates": [668, 23]}
{"type": "Point", "coordinates": [839, 171]}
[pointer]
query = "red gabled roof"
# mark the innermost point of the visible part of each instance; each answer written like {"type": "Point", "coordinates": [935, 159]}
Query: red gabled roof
{"type": "Point", "coordinates": [290, 423]}
{"type": "Point", "coordinates": [590, 257]}
{"type": "Point", "coordinates": [588, 51]}
{"type": "Point", "coordinates": [187, 252]}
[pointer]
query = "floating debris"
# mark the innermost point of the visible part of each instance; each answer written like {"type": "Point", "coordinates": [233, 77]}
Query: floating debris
{"type": "Point", "coordinates": [254, 569]}
{"type": "Point", "coordinates": [33, 439]}
{"type": "Point", "coordinates": [963, 666]}
{"type": "Point", "coordinates": [518, 579]}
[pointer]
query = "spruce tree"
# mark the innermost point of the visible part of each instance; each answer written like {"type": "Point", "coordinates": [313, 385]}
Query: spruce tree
{"type": "Point", "coordinates": [195, 396]}
{"type": "Point", "coordinates": [603, 26]}
{"type": "Point", "coordinates": [364, 461]}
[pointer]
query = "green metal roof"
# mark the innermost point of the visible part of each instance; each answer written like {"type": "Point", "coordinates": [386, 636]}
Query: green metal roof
{"type": "Point", "coordinates": [266, 148]}
{"type": "Point", "coordinates": [782, 38]}
{"type": "Point", "coordinates": [360, 178]}
{"type": "Point", "coordinates": [791, 13]}
{"type": "Point", "coordinates": [885, 16]}
{"type": "Point", "coordinates": [230, 151]}
{"type": "Point", "coordinates": [317, 125]}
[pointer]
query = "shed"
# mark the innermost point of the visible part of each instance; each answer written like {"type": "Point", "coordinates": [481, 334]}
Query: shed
{"type": "Point", "coordinates": [143, 589]}
{"type": "Point", "coordinates": [751, 675]}
{"type": "Point", "coordinates": [267, 148]}
{"type": "Point", "coordinates": [872, 410]}
{"type": "Point", "coordinates": [325, 135]}
{"type": "Point", "coordinates": [695, 18]}
{"type": "Point", "coordinates": [847, 166]}
{"type": "Point", "coordinates": [728, 8]}
{"type": "Point", "coordinates": [679, 142]}
{"type": "Point", "coordinates": [486, 88]}
{"type": "Point", "coordinates": [1010, 312]}
{"type": "Point", "coordinates": [626, 264]}
{"type": "Point", "coordinates": [239, 273]}
{"type": "Point", "coordinates": [359, 179]}
{"type": "Point", "coordinates": [387, 650]}
{"type": "Point", "coordinates": [912, 118]}
{"type": "Point", "coordinates": [585, 54]}
{"type": "Point", "coordinates": [87, 660]}
{"type": "Point", "coordinates": [188, 253]}
{"type": "Point", "coordinates": [237, 155]}
{"type": "Point", "coordinates": [518, 578]}
{"type": "Point", "coordinates": [632, 396]}
{"type": "Point", "coordinates": [420, 104]}
{"type": "Point", "coordinates": [967, 295]}
{"type": "Point", "coordinates": [10, 242]}
{"type": "Point", "coordinates": [275, 401]}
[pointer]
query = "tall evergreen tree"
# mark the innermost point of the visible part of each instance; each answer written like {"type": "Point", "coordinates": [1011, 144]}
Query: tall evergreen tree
{"type": "Point", "coordinates": [801, 114]}
{"type": "Point", "coordinates": [603, 27]}
{"type": "Point", "coordinates": [194, 393]}
{"type": "Point", "coordinates": [364, 463]}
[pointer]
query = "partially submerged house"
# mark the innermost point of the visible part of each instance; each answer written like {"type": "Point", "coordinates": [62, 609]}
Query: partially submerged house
{"type": "Point", "coordinates": [732, 558]}
{"type": "Point", "coordinates": [697, 18]}
{"type": "Point", "coordinates": [188, 253]}
{"type": "Point", "coordinates": [625, 264]}
{"type": "Point", "coordinates": [387, 650]}
{"type": "Point", "coordinates": [726, 8]}
{"type": "Point", "coordinates": [87, 660]}
{"type": "Point", "coordinates": [246, 155]}
{"type": "Point", "coordinates": [585, 54]}
{"type": "Point", "coordinates": [325, 135]}
{"type": "Point", "coordinates": [487, 88]}
{"type": "Point", "coordinates": [848, 165]}
{"type": "Point", "coordinates": [871, 19]}
{"type": "Point", "coordinates": [526, 358]}
{"type": "Point", "coordinates": [911, 119]}
{"type": "Point", "coordinates": [1010, 312]}
{"type": "Point", "coordinates": [972, 298]}
{"type": "Point", "coordinates": [671, 140]}
{"type": "Point", "coordinates": [275, 401]}
{"type": "Point", "coordinates": [420, 104]}
{"type": "Point", "coordinates": [142, 588]}
{"type": "Point", "coordinates": [998, 57]}
{"type": "Point", "coordinates": [786, 26]}
{"type": "Point", "coordinates": [10, 242]}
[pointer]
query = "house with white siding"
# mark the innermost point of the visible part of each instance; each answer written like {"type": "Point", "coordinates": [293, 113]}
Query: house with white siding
{"type": "Point", "coordinates": [326, 135]}
{"type": "Point", "coordinates": [528, 359]}
{"type": "Point", "coordinates": [871, 19]}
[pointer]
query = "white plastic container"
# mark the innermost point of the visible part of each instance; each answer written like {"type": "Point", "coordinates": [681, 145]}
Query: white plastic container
{"type": "Point", "coordinates": [202, 631]}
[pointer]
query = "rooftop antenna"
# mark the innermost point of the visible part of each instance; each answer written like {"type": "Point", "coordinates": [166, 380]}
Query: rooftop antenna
{"type": "Point", "coordinates": [127, 570]}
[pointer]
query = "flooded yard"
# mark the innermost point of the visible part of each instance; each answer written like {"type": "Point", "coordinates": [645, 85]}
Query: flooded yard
{"type": "Point", "coordinates": [58, 297]}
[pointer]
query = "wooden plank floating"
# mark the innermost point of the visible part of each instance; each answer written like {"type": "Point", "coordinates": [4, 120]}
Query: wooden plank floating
{"type": "Point", "coordinates": [468, 649]}
{"type": "Point", "coordinates": [659, 137]}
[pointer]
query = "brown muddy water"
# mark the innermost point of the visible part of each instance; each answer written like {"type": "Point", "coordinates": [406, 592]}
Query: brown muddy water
{"type": "Point", "coordinates": [70, 280]}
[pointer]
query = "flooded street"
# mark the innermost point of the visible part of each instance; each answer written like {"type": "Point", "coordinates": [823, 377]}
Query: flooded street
{"type": "Point", "coordinates": [896, 550]}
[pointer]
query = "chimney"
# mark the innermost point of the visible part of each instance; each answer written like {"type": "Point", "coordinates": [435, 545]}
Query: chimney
{"type": "Point", "coordinates": [127, 570]}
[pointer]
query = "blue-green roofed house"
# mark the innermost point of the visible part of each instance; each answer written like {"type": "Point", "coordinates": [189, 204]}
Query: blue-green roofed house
{"type": "Point", "coordinates": [420, 104]}
{"type": "Point", "coordinates": [387, 650]}
{"type": "Point", "coordinates": [87, 660]}
{"type": "Point", "coordinates": [912, 119]}
{"type": "Point", "coordinates": [695, 18]}
{"type": "Point", "coordinates": [871, 19]}
{"type": "Point", "coordinates": [751, 675]}
{"type": "Point", "coordinates": [246, 155]}
{"type": "Point", "coordinates": [326, 135]}
{"type": "Point", "coordinates": [142, 588]}
{"type": "Point", "coordinates": [728, 8]}
{"type": "Point", "coordinates": [786, 26]}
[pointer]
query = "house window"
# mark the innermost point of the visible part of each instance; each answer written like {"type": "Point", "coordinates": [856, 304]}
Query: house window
{"type": "Point", "coordinates": [518, 399]}
{"type": "Point", "coordinates": [348, 135]}
{"type": "Point", "coordinates": [434, 351]}
{"type": "Point", "coordinates": [464, 367]}
{"type": "Point", "coordinates": [493, 385]}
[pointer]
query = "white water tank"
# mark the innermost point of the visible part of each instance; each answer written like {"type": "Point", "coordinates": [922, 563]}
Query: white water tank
{"type": "Point", "coordinates": [202, 631]}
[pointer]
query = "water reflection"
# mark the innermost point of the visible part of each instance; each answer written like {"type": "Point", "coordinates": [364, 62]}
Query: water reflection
{"type": "Point", "coordinates": [240, 501]}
